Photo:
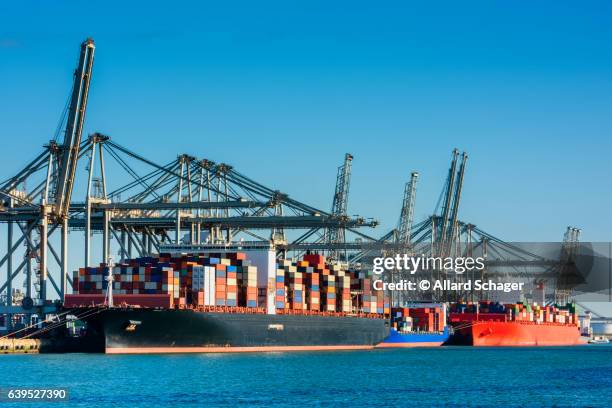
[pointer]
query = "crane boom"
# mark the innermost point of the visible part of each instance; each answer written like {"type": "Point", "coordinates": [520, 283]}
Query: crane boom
{"type": "Point", "coordinates": [407, 214]}
{"type": "Point", "coordinates": [69, 155]}
{"type": "Point", "coordinates": [457, 198]}
{"type": "Point", "coordinates": [343, 181]}
{"type": "Point", "coordinates": [448, 198]}
{"type": "Point", "coordinates": [340, 203]}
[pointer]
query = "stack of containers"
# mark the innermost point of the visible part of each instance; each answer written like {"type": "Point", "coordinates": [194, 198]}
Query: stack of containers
{"type": "Point", "coordinates": [220, 285]}
{"type": "Point", "coordinates": [343, 293]}
{"type": "Point", "coordinates": [90, 280]}
{"type": "Point", "coordinates": [232, 285]}
{"type": "Point", "coordinates": [401, 320]}
{"type": "Point", "coordinates": [312, 280]}
{"type": "Point", "coordinates": [127, 280]}
{"type": "Point", "coordinates": [247, 282]}
{"type": "Point", "coordinates": [295, 287]}
{"type": "Point", "coordinates": [328, 293]}
{"type": "Point", "coordinates": [313, 295]}
{"type": "Point", "coordinates": [325, 287]}
{"type": "Point", "coordinates": [362, 285]}
{"type": "Point", "coordinates": [424, 319]}
{"type": "Point", "coordinates": [372, 308]}
{"type": "Point", "coordinates": [197, 285]}
{"type": "Point", "coordinates": [229, 279]}
{"type": "Point", "coordinates": [246, 278]}
{"type": "Point", "coordinates": [279, 298]}
{"type": "Point", "coordinates": [220, 280]}
{"type": "Point", "coordinates": [519, 312]}
{"type": "Point", "coordinates": [439, 319]}
{"type": "Point", "coordinates": [380, 301]}
{"type": "Point", "coordinates": [209, 285]}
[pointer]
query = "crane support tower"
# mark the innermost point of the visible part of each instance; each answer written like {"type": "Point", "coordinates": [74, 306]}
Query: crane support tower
{"type": "Point", "coordinates": [340, 203]}
{"type": "Point", "coordinates": [407, 213]}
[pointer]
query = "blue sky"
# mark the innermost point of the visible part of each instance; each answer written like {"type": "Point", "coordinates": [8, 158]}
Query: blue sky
{"type": "Point", "coordinates": [281, 90]}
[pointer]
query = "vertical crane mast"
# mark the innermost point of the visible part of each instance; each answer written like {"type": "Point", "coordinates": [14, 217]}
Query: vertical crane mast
{"type": "Point", "coordinates": [340, 203]}
{"type": "Point", "coordinates": [448, 200]}
{"type": "Point", "coordinates": [69, 154]}
{"type": "Point", "coordinates": [407, 214]}
{"type": "Point", "coordinates": [343, 181]}
{"type": "Point", "coordinates": [456, 199]}
{"type": "Point", "coordinates": [566, 276]}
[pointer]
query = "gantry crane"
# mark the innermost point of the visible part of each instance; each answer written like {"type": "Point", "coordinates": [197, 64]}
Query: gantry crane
{"type": "Point", "coordinates": [406, 219]}
{"type": "Point", "coordinates": [340, 203]}
{"type": "Point", "coordinates": [569, 275]}
{"type": "Point", "coordinates": [447, 222]}
{"type": "Point", "coordinates": [189, 201]}
{"type": "Point", "coordinates": [68, 156]}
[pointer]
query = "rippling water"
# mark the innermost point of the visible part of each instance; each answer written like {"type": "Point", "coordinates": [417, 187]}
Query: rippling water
{"type": "Point", "coordinates": [572, 376]}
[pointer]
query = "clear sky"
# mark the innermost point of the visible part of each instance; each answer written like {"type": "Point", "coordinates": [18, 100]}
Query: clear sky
{"type": "Point", "coordinates": [281, 90]}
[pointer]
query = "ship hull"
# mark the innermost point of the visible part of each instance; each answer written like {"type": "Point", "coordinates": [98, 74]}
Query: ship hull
{"type": "Point", "coordinates": [136, 331]}
{"type": "Point", "coordinates": [411, 340]}
{"type": "Point", "coordinates": [516, 334]}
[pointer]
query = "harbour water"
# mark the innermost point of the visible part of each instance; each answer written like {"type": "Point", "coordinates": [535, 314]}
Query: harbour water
{"type": "Point", "coordinates": [445, 376]}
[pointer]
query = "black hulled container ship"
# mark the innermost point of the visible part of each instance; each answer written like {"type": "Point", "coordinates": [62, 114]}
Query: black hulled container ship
{"type": "Point", "coordinates": [129, 330]}
{"type": "Point", "coordinates": [226, 301]}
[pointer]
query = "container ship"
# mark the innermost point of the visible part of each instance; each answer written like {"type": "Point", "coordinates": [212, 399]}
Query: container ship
{"type": "Point", "coordinates": [417, 325]}
{"type": "Point", "coordinates": [227, 302]}
{"type": "Point", "coordinates": [494, 324]}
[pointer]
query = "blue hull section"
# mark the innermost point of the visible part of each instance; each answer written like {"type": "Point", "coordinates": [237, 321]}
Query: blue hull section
{"type": "Point", "coordinates": [415, 339]}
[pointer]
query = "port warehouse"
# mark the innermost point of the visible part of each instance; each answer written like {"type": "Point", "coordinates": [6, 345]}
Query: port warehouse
{"type": "Point", "coordinates": [195, 202]}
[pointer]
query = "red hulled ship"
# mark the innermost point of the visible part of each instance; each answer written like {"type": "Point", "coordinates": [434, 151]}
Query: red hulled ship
{"type": "Point", "coordinates": [489, 324]}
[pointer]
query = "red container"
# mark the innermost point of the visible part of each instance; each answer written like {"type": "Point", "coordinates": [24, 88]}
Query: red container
{"type": "Point", "coordinates": [315, 260]}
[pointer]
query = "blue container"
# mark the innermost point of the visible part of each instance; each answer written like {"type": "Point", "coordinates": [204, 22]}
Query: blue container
{"type": "Point", "coordinates": [231, 268]}
{"type": "Point", "coordinates": [280, 292]}
{"type": "Point", "coordinates": [231, 302]}
{"type": "Point", "coordinates": [280, 305]}
{"type": "Point", "coordinates": [251, 303]}
{"type": "Point", "coordinates": [280, 279]}
{"type": "Point", "coordinates": [220, 302]}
